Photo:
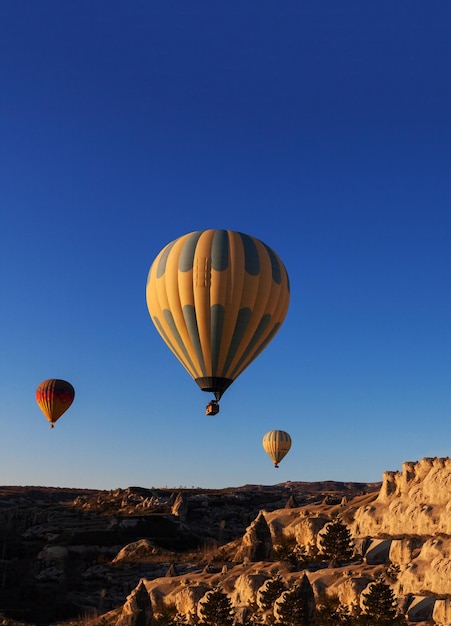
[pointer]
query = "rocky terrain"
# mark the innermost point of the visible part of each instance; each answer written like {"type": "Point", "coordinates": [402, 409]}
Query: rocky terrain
{"type": "Point", "coordinates": [72, 552]}
{"type": "Point", "coordinates": [79, 556]}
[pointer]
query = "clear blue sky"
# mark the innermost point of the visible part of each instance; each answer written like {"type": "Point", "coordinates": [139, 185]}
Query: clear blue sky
{"type": "Point", "coordinates": [321, 128]}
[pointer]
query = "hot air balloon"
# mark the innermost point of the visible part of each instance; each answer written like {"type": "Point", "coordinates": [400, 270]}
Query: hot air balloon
{"type": "Point", "coordinates": [54, 397]}
{"type": "Point", "coordinates": [217, 298]}
{"type": "Point", "coordinates": [276, 444]}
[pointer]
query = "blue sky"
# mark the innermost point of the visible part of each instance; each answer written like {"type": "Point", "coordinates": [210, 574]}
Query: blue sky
{"type": "Point", "coordinates": [321, 128]}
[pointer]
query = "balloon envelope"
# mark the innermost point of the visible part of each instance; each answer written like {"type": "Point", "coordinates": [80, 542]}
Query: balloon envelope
{"type": "Point", "coordinates": [276, 444]}
{"type": "Point", "coordinates": [54, 397]}
{"type": "Point", "coordinates": [217, 298]}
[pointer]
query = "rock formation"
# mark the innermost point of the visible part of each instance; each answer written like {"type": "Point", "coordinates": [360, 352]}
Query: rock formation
{"type": "Point", "coordinates": [410, 526]}
{"type": "Point", "coordinates": [137, 550]}
{"type": "Point", "coordinates": [137, 610]}
{"type": "Point", "coordinates": [187, 599]}
{"type": "Point", "coordinates": [291, 503]}
{"type": "Point", "coordinates": [246, 587]}
{"type": "Point", "coordinates": [180, 506]}
{"type": "Point", "coordinates": [256, 544]}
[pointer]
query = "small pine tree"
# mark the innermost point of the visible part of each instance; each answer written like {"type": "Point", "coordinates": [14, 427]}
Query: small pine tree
{"type": "Point", "coordinates": [380, 607]}
{"type": "Point", "coordinates": [336, 542]}
{"type": "Point", "coordinates": [216, 609]}
{"type": "Point", "coordinates": [273, 590]}
{"type": "Point", "coordinates": [297, 607]}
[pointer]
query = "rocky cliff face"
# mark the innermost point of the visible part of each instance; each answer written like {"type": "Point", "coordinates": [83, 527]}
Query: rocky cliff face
{"type": "Point", "coordinates": [411, 521]}
{"type": "Point", "coordinates": [415, 501]}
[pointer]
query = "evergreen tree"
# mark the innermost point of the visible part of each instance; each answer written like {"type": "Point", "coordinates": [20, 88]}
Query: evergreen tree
{"type": "Point", "coordinates": [216, 609]}
{"type": "Point", "coordinates": [273, 590]}
{"type": "Point", "coordinates": [336, 542]}
{"type": "Point", "coordinates": [297, 607]}
{"type": "Point", "coordinates": [380, 607]}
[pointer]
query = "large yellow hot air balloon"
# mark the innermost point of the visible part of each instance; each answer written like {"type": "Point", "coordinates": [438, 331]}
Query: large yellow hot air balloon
{"type": "Point", "coordinates": [217, 298]}
{"type": "Point", "coordinates": [54, 397]}
{"type": "Point", "coordinates": [276, 444]}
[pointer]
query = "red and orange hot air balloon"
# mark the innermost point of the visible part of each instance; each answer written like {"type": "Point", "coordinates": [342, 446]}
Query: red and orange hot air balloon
{"type": "Point", "coordinates": [54, 397]}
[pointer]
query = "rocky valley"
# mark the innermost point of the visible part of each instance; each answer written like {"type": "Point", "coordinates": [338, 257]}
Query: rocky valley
{"type": "Point", "coordinates": [74, 556]}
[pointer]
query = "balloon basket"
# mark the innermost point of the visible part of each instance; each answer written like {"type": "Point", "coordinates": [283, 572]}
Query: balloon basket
{"type": "Point", "coordinates": [212, 408]}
